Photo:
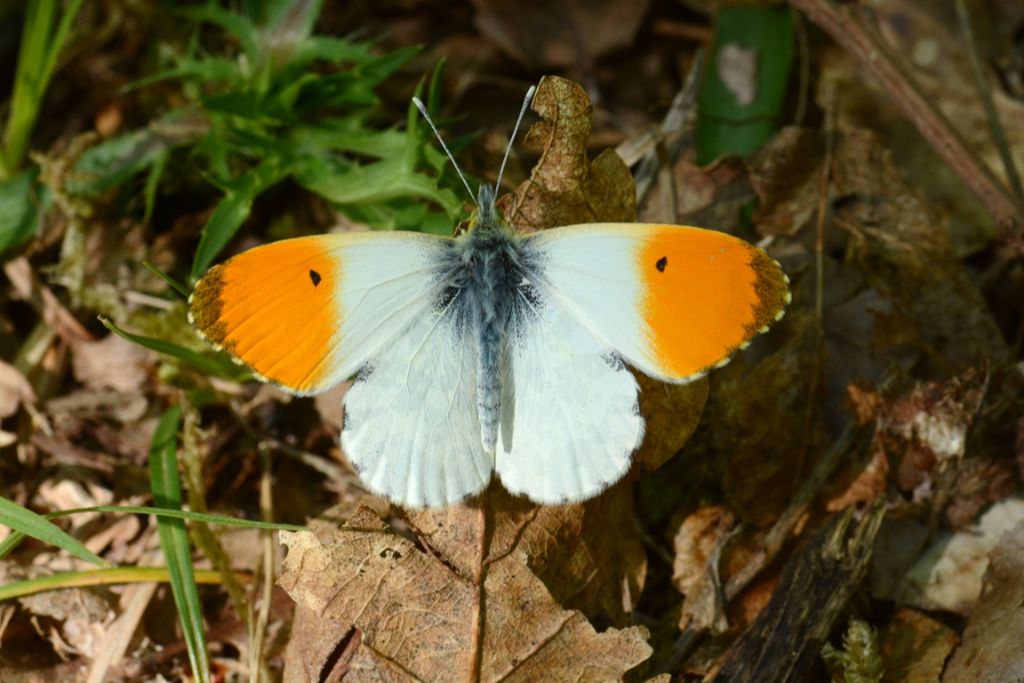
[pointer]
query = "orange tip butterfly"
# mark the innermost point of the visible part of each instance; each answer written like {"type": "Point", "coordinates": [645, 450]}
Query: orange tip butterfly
{"type": "Point", "coordinates": [490, 352]}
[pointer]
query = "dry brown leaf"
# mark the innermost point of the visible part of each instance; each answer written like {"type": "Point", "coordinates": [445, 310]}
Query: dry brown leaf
{"type": "Point", "coordinates": [698, 543]}
{"type": "Point", "coordinates": [915, 647]}
{"type": "Point", "coordinates": [671, 414]}
{"type": "Point", "coordinates": [418, 611]}
{"type": "Point", "coordinates": [14, 390]}
{"type": "Point", "coordinates": [588, 555]}
{"type": "Point", "coordinates": [559, 34]}
{"type": "Point", "coordinates": [786, 175]}
{"type": "Point", "coordinates": [73, 620]}
{"type": "Point", "coordinates": [948, 574]}
{"type": "Point", "coordinates": [763, 433]}
{"type": "Point", "coordinates": [991, 651]}
{"type": "Point", "coordinates": [923, 433]}
{"type": "Point", "coordinates": [907, 256]}
{"type": "Point", "coordinates": [565, 187]}
{"type": "Point", "coordinates": [111, 363]}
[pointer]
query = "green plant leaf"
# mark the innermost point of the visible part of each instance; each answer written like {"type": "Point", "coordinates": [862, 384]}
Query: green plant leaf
{"type": "Point", "coordinates": [166, 487]}
{"type": "Point", "coordinates": [232, 211]}
{"type": "Point", "coordinates": [28, 523]}
{"type": "Point", "coordinates": [23, 203]}
{"type": "Point", "coordinates": [727, 123]}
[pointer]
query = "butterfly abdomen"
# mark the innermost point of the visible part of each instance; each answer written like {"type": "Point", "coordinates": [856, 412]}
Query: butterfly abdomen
{"type": "Point", "coordinates": [488, 273]}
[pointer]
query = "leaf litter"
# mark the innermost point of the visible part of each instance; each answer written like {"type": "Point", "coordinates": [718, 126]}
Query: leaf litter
{"type": "Point", "coordinates": [892, 385]}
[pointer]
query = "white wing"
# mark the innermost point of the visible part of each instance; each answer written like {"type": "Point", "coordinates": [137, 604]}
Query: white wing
{"type": "Point", "coordinates": [570, 415]}
{"type": "Point", "coordinates": [411, 426]}
{"type": "Point", "coordinates": [306, 313]}
{"type": "Point", "coordinates": [673, 301]}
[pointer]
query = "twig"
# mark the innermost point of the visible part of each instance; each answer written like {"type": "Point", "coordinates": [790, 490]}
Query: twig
{"type": "Point", "coordinates": [849, 27]}
{"type": "Point", "coordinates": [480, 576]}
{"type": "Point", "coordinates": [773, 541]}
{"type": "Point", "coordinates": [994, 124]}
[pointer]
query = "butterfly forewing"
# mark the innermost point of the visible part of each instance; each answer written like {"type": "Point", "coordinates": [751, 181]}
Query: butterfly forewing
{"type": "Point", "coordinates": [672, 301]}
{"type": "Point", "coordinates": [305, 313]}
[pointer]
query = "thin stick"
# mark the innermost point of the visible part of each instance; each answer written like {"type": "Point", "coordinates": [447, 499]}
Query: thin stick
{"type": "Point", "coordinates": [508, 150]}
{"type": "Point", "coordinates": [430, 122]}
{"type": "Point", "coordinates": [994, 125]}
{"type": "Point", "coordinates": [852, 31]}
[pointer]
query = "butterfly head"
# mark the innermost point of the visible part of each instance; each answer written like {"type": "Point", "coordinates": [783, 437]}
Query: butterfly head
{"type": "Point", "coordinates": [486, 208]}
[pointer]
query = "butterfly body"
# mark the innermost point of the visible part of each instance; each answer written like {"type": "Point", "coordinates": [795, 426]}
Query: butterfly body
{"type": "Point", "coordinates": [491, 353]}
{"type": "Point", "coordinates": [490, 289]}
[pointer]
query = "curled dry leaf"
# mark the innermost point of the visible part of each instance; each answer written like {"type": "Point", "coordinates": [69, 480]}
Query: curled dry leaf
{"type": "Point", "coordinates": [922, 433]}
{"type": "Point", "coordinates": [419, 616]}
{"type": "Point", "coordinates": [74, 620]}
{"type": "Point", "coordinates": [991, 651]}
{"type": "Point", "coordinates": [698, 545]}
{"type": "Point", "coordinates": [565, 187]}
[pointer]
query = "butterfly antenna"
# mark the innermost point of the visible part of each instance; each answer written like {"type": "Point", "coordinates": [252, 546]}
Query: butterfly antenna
{"type": "Point", "coordinates": [508, 150]}
{"type": "Point", "coordinates": [430, 121]}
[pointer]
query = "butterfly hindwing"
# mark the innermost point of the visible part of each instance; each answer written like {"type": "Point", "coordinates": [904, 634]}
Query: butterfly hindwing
{"type": "Point", "coordinates": [570, 415]}
{"type": "Point", "coordinates": [673, 301]}
{"type": "Point", "coordinates": [411, 426]}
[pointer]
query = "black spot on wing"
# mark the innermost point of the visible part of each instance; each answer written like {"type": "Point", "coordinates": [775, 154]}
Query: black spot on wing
{"type": "Point", "coordinates": [662, 264]}
{"type": "Point", "coordinates": [314, 277]}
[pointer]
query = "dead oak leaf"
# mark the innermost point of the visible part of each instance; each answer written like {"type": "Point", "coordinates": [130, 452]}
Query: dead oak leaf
{"type": "Point", "coordinates": [565, 187]}
{"type": "Point", "coordinates": [426, 620]}
{"type": "Point", "coordinates": [588, 554]}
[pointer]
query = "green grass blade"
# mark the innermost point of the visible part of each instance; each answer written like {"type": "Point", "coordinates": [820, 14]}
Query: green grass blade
{"type": "Point", "coordinates": [14, 539]}
{"type": "Point", "coordinates": [221, 368]}
{"type": "Point", "coordinates": [97, 577]}
{"type": "Point", "coordinates": [166, 487]}
{"type": "Point", "coordinates": [203, 517]}
{"type": "Point", "coordinates": [24, 521]}
{"type": "Point", "coordinates": [232, 211]}
{"type": "Point", "coordinates": [171, 282]}
{"type": "Point", "coordinates": [41, 43]}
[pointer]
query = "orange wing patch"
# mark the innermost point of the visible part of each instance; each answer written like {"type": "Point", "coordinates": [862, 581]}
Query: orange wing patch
{"type": "Point", "coordinates": [276, 309]}
{"type": "Point", "coordinates": [706, 294]}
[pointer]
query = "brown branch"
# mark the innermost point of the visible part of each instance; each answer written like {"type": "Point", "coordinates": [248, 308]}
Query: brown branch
{"type": "Point", "coordinates": [851, 28]}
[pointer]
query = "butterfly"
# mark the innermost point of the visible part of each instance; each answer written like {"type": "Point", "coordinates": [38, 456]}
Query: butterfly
{"type": "Point", "coordinates": [491, 352]}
